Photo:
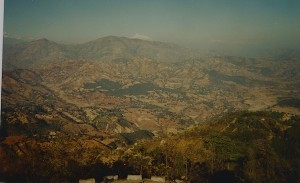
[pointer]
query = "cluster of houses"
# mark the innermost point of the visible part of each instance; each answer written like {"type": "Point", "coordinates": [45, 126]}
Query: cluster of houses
{"type": "Point", "coordinates": [130, 178]}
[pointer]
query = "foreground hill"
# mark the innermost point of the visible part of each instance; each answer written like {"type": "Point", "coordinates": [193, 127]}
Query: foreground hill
{"type": "Point", "coordinates": [233, 147]}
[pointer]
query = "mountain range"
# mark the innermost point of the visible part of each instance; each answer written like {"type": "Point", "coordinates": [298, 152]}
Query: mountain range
{"type": "Point", "coordinates": [80, 107]}
{"type": "Point", "coordinates": [31, 54]}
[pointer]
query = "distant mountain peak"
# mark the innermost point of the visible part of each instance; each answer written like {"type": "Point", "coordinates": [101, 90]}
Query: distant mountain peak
{"type": "Point", "coordinates": [107, 48]}
{"type": "Point", "coordinates": [43, 40]}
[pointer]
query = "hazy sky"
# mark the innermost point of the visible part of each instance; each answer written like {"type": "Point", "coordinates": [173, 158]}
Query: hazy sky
{"type": "Point", "coordinates": [193, 23]}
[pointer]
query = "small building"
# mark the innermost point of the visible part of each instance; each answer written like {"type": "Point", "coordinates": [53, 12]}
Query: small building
{"type": "Point", "coordinates": [158, 179]}
{"type": "Point", "coordinates": [135, 177]}
{"type": "Point", "coordinates": [111, 177]}
{"type": "Point", "coordinates": [87, 181]}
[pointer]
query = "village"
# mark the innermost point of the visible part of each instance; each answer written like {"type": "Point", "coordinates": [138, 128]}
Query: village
{"type": "Point", "coordinates": [130, 179]}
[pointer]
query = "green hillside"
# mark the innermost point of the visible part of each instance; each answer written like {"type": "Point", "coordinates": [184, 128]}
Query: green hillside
{"type": "Point", "coordinates": [239, 146]}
